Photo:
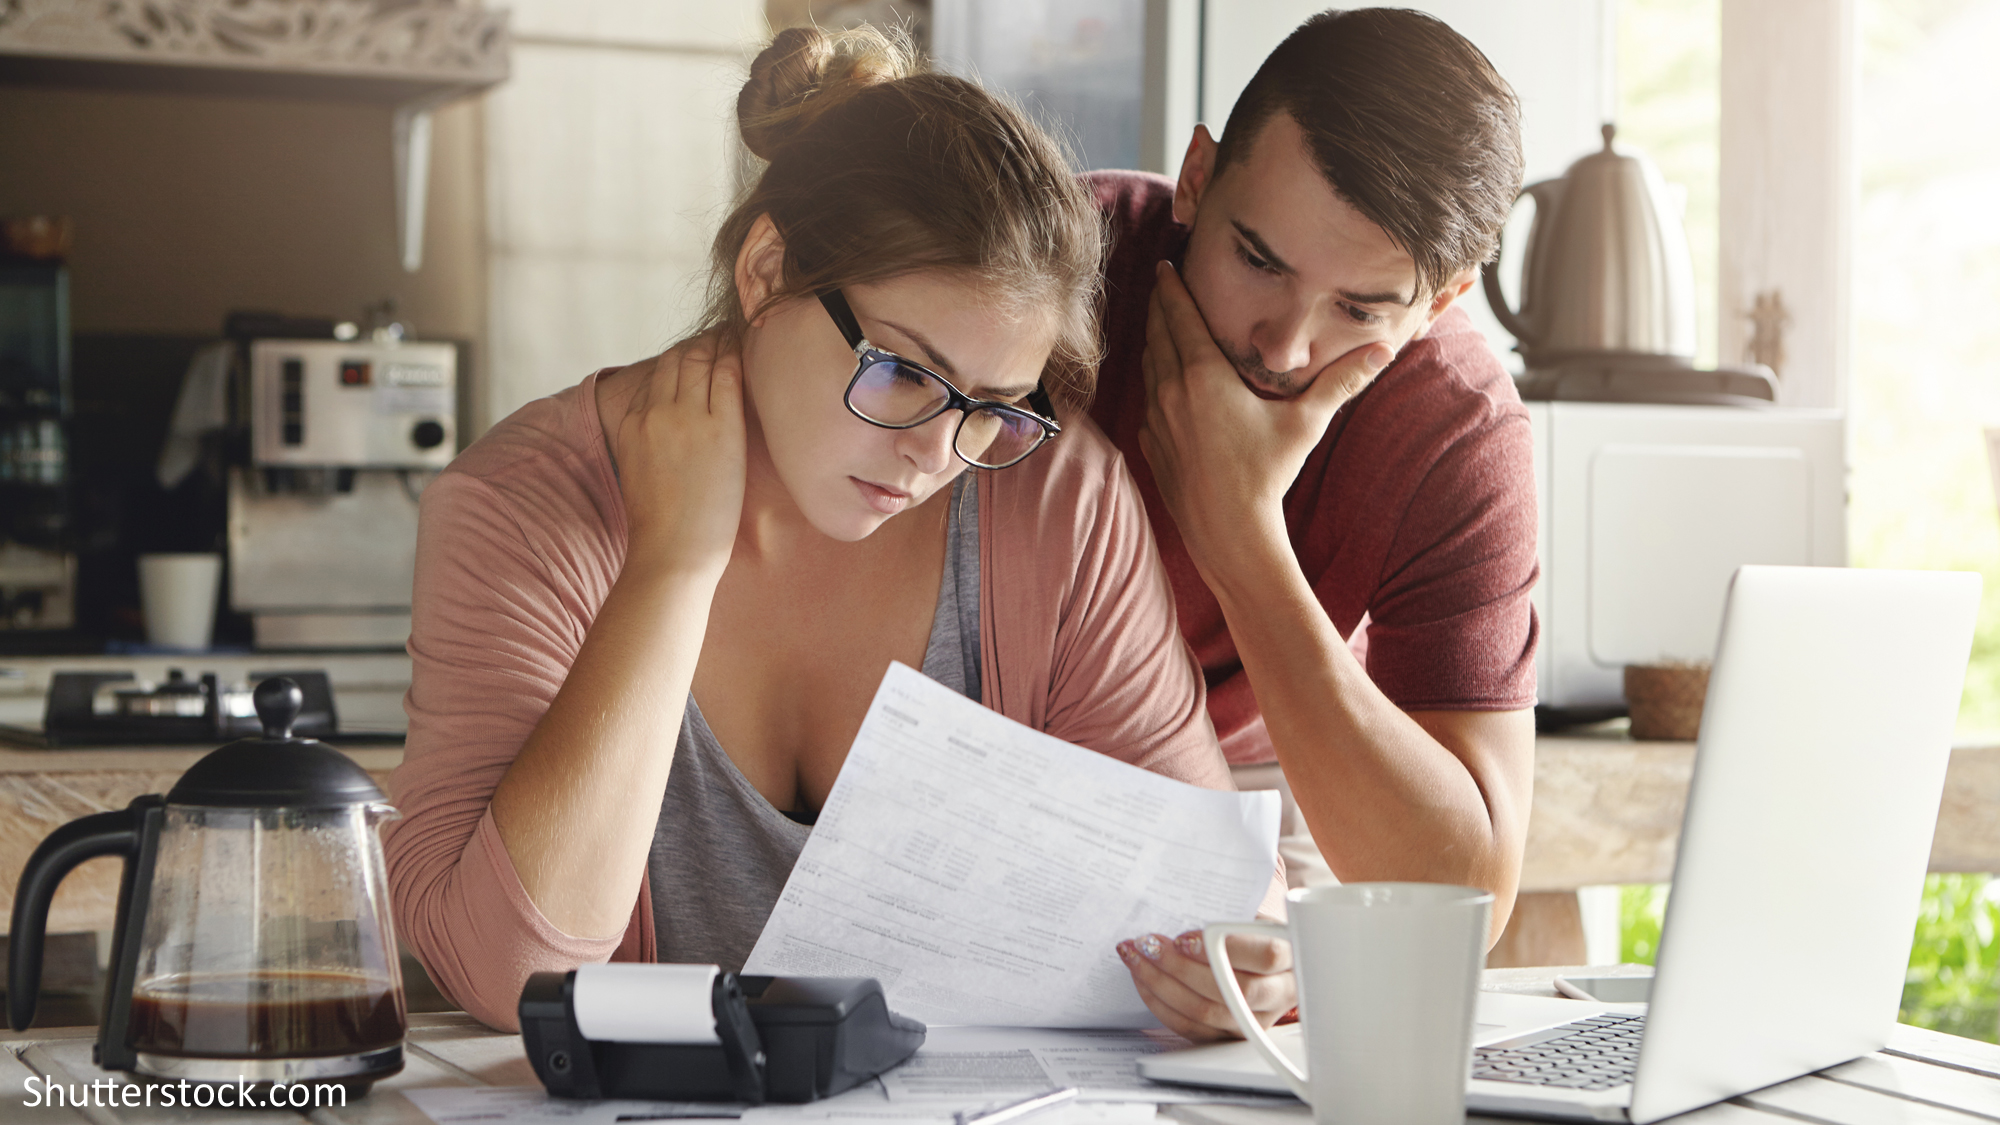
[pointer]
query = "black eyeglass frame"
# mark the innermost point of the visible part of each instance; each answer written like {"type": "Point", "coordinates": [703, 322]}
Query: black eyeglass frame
{"type": "Point", "coordinates": [867, 355]}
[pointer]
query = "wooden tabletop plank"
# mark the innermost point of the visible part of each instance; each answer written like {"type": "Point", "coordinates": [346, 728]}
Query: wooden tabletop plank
{"type": "Point", "coordinates": [385, 1104]}
{"type": "Point", "coordinates": [1721, 1113]}
{"type": "Point", "coordinates": [1926, 1045]}
{"type": "Point", "coordinates": [18, 1104]}
{"type": "Point", "coordinates": [447, 1021]}
{"type": "Point", "coordinates": [1968, 829]}
{"type": "Point", "coordinates": [1922, 1081]}
{"type": "Point", "coordinates": [1238, 1115]}
{"type": "Point", "coordinates": [68, 1060]}
{"type": "Point", "coordinates": [19, 1040]}
{"type": "Point", "coordinates": [1724, 1113]}
{"type": "Point", "coordinates": [486, 1056]}
{"type": "Point", "coordinates": [1608, 810]}
{"type": "Point", "coordinates": [42, 790]}
{"type": "Point", "coordinates": [1839, 1103]}
{"type": "Point", "coordinates": [1925, 1077]}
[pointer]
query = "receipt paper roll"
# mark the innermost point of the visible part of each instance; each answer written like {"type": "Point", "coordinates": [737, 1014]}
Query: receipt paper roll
{"type": "Point", "coordinates": [639, 1003]}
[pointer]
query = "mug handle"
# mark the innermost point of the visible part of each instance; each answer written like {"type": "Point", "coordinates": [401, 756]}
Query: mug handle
{"type": "Point", "coordinates": [1215, 939]}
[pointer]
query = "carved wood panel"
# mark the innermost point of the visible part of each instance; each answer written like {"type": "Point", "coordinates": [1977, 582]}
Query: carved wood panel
{"type": "Point", "coordinates": [446, 40]}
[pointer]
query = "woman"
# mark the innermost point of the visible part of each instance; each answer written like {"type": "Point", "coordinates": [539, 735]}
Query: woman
{"type": "Point", "coordinates": [652, 610]}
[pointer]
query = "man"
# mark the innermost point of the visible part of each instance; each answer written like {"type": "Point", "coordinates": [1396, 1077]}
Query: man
{"type": "Point", "coordinates": [1337, 468]}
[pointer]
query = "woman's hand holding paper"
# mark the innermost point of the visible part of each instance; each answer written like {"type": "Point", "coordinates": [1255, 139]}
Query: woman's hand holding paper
{"type": "Point", "coordinates": [1175, 981]}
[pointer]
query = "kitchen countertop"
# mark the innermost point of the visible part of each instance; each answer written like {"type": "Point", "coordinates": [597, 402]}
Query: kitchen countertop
{"type": "Point", "coordinates": [368, 687]}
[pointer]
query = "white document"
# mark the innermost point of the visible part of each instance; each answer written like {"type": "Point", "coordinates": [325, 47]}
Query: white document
{"type": "Point", "coordinates": [985, 872]}
{"type": "Point", "coordinates": [866, 1104]}
{"type": "Point", "coordinates": [970, 1063]}
{"type": "Point", "coordinates": [531, 1105]}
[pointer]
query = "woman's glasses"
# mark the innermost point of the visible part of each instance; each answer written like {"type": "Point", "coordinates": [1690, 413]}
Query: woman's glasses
{"type": "Point", "coordinates": [894, 393]}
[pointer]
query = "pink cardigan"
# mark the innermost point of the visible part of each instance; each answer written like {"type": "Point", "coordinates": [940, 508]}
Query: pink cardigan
{"type": "Point", "coordinates": [519, 544]}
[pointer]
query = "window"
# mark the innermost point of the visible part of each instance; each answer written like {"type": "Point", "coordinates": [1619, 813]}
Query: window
{"type": "Point", "coordinates": [1925, 360]}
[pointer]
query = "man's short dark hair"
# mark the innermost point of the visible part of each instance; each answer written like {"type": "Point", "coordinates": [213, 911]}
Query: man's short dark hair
{"type": "Point", "coordinates": [1406, 119]}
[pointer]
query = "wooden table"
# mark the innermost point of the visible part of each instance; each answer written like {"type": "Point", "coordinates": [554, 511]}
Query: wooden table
{"type": "Point", "coordinates": [1607, 811]}
{"type": "Point", "coordinates": [1922, 1077]}
{"type": "Point", "coordinates": [42, 790]}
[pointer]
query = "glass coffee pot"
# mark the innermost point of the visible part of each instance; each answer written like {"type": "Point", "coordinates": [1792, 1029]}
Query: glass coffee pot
{"type": "Point", "coordinates": [253, 939]}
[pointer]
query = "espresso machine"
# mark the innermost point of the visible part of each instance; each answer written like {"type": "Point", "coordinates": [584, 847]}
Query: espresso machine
{"type": "Point", "coordinates": [37, 562]}
{"type": "Point", "coordinates": [322, 525]}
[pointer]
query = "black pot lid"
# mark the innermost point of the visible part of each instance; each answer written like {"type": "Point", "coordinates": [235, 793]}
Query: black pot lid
{"type": "Point", "coordinates": [277, 770]}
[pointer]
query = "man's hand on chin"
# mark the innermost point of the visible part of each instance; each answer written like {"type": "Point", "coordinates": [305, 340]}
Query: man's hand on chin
{"type": "Point", "coordinates": [1222, 454]}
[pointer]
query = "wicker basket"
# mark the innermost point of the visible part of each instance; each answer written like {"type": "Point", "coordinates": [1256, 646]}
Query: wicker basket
{"type": "Point", "coordinates": [1665, 700]}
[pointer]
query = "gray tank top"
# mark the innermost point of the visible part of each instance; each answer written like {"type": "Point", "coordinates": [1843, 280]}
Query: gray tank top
{"type": "Point", "coordinates": [721, 853]}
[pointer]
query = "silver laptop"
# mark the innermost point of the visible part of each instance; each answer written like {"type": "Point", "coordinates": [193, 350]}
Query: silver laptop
{"type": "Point", "coordinates": [1818, 773]}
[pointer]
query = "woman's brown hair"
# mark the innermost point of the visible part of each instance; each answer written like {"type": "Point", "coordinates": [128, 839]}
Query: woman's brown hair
{"type": "Point", "coordinates": [879, 167]}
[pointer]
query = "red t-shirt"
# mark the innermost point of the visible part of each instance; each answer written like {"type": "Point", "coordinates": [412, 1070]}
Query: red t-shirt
{"type": "Point", "coordinates": [1416, 511]}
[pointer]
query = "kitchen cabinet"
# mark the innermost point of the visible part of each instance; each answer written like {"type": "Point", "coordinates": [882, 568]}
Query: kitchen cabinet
{"type": "Point", "coordinates": [611, 157]}
{"type": "Point", "coordinates": [415, 56]}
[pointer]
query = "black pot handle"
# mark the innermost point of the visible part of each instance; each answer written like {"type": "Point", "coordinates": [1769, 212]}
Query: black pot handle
{"type": "Point", "coordinates": [107, 833]}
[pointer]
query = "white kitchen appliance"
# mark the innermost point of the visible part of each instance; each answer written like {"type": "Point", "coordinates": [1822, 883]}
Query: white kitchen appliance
{"type": "Point", "coordinates": [1657, 479]}
{"type": "Point", "coordinates": [1647, 509]}
{"type": "Point", "coordinates": [323, 522]}
{"type": "Point", "coordinates": [352, 404]}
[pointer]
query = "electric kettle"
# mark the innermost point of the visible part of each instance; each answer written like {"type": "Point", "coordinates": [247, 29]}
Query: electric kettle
{"type": "Point", "coordinates": [1607, 267]}
{"type": "Point", "coordinates": [253, 940]}
{"type": "Point", "coordinates": [1607, 294]}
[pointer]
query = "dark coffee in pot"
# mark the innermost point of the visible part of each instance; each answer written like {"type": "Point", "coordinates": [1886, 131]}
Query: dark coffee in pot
{"type": "Point", "coordinates": [266, 1015]}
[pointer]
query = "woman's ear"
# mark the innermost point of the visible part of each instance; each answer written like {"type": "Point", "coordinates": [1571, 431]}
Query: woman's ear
{"type": "Point", "coordinates": [760, 268]}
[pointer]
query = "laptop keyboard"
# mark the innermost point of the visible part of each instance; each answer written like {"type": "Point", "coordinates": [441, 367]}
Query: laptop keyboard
{"type": "Point", "coordinates": [1592, 1054]}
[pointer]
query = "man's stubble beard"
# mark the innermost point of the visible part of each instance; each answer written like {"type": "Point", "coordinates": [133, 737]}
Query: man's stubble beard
{"type": "Point", "coordinates": [1265, 382]}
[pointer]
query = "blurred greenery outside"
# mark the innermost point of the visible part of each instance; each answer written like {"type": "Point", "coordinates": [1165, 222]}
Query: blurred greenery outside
{"type": "Point", "coordinates": [1926, 364]}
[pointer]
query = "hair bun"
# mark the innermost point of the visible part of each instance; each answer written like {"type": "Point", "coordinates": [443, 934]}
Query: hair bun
{"type": "Point", "coordinates": [806, 71]}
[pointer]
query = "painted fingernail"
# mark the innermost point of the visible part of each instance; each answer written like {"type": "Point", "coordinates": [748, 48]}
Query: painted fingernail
{"type": "Point", "coordinates": [1126, 952]}
{"type": "Point", "coordinates": [1152, 946]}
{"type": "Point", "coordinates": [1190, 944]}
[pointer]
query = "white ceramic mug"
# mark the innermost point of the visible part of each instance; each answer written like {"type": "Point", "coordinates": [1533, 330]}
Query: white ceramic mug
{"type": "Point", "coordinates": [1388, 977]}
{"type": "Point", "coordinates": [178, 594]}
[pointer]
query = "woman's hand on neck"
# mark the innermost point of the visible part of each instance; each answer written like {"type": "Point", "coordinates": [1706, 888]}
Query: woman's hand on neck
{"type": "Point", "coordinates": [677, 434]}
